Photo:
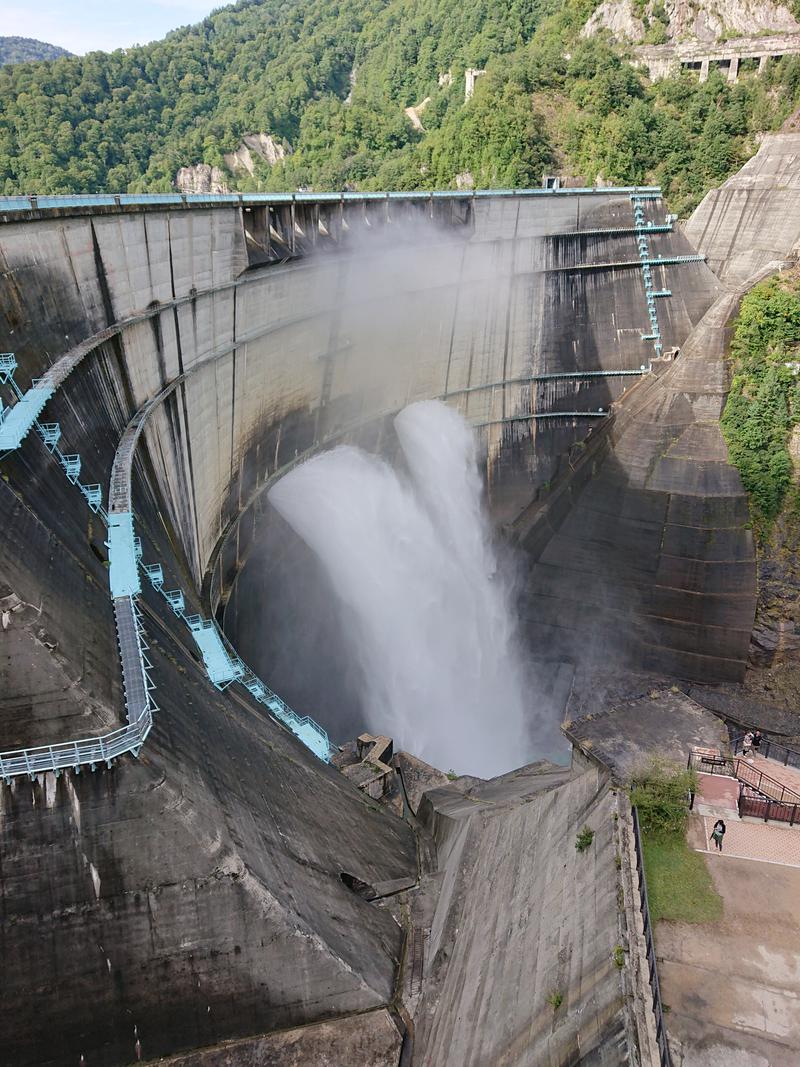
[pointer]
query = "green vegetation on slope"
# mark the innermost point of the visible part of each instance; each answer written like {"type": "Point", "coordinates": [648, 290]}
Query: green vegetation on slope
{"type": "Point", "coordinates": [679, 886]}
{"type": "Point", "coordinates": [332, 83]}
{"type": "Point", "coordinates": [764, 401]}
{"type": "Point", "coordinates": [27, 50]}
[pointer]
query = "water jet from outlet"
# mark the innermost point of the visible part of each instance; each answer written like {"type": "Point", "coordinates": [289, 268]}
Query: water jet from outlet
{"type": "Point", "coordinates": [425, 606]}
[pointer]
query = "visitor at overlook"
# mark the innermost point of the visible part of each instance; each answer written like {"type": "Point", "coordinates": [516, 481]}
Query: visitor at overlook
{"type": "Point", "coordinates": [747, 744]}
{"type": "Point", "coordinates": [718, 833]}
{"type": "Point", "coordinates": [756, 741]}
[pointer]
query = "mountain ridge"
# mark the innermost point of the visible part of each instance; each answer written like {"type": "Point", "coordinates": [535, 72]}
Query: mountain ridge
{"type": "Point", "coordinates": [28, 50]}
{"type": "Point", "coordinates": [331, 88]}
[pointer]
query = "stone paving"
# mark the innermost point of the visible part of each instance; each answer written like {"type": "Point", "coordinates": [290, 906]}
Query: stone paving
{"type": "Point", "coordinates": [717, 795]}
{"type": "Point", "coordinates": [749, 841]}
{"type": "Point", "coordinates": [732, 986]}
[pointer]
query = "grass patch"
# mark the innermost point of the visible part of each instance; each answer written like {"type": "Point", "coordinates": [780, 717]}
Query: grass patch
{"type": "Point", "coordinates": [679, 886]}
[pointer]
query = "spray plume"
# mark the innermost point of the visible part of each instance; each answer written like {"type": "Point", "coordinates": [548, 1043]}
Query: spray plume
{"type": "Point", "coordinates": [426, 610]}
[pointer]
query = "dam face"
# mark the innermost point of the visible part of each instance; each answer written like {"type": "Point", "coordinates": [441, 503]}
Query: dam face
{"type": "Point", "coordinates": [193, 353]}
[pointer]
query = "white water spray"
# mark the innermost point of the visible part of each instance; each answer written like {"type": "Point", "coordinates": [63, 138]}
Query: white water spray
{"type": "Point", "coordinates": [425, 608]}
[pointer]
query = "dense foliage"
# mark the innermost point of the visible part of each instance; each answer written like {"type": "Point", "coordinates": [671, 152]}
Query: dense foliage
{"type": "Point", "coordinates": [660, 794]}
{"type": "Point", "coordinates": [27, 50]}
{"type": "Point", "coordinates": [332, 81]}
{"type": "Point", "coordinates": [764, 401]}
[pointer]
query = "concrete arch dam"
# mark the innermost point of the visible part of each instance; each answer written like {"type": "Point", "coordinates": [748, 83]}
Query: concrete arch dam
{"type": "Point", "coordinates": [185, 354]}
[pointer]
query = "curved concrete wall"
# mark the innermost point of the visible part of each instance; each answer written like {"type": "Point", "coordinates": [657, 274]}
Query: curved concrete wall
{"type": "Point", "coordinates": [227, 824]}
{"type": "Point", "coordinates": [754, 217]}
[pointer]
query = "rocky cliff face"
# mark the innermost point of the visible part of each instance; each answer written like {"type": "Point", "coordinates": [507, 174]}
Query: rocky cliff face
{"type": "Point", "coordinates": [691, 19]}
{"type": "Point", "coordinates": [254, 146]}
{"type": "Point", "coordinates": [202, 178]}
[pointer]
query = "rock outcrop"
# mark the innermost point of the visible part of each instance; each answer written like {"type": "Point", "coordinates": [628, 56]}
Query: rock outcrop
{"type": "Point", "coordinates": [702, 22]}
{"type": "Point", "coordinates": [254, 146]}
{"type": "Point", "coordinates": [414, 113]}
{"type": "Point", "coordinates": [201, 178]}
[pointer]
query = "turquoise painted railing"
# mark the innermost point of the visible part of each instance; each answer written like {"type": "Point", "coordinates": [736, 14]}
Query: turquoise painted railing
{"type": "Point", "coordinates": [125, 562]}
{"type": "Point", "coordinates": [10, 204]}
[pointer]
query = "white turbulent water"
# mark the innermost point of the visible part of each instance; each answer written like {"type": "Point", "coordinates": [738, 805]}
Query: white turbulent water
{"type": "Point", "coordinates": [427, 612]}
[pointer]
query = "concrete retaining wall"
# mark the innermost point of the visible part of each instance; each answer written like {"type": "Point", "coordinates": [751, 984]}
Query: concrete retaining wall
{"type": "Point", "coordinates": [754, 217]}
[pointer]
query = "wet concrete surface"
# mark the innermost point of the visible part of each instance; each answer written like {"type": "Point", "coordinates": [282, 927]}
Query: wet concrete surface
{"type": "Point", "coordinates": [664, 724]}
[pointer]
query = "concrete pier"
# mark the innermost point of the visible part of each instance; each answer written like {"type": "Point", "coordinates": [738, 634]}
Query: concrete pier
{"type": "Point", "coordinates": [665, 60]}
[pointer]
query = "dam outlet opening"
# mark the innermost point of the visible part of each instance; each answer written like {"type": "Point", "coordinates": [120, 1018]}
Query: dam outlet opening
{"type": "Point", "coordinates": [424, 608]}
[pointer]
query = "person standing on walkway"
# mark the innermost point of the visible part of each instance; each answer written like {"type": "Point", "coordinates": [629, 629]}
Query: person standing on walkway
{"type": "Point", "coordinates": [747, 744]}
{"type": "Point", "coordinates": [718, 833]}
{"type": "Point", "coordinates": [757, 741]}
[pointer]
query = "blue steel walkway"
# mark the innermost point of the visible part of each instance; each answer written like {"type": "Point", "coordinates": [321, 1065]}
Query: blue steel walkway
{"type": "Point", "coordinates": [125, 563]}
{"type": "Point", "coordinates": [222, 663]}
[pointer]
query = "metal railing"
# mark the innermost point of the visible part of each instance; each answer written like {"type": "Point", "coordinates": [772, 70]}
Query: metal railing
{"type": "Point", "coordinates": [131, 640]}
{"type": "Point", "coordinates": [72, 755]}
{"type": "Point", "coordinates": [658, 1007]}
{"type": "Point", "coordinates": [90, 200]}
{"type": "Point", "coordinates": [738, 767]}
{"type": "Point", "coordinates": [789, 757]}
{"type": "Point", "coordinates": [762, 807]}
{"type": "Point", "coordinates": [763, 783]}
{"type": "Point", "coordinates": [642, 228]}
{"type": "Point", "coordinates": [92, 751]}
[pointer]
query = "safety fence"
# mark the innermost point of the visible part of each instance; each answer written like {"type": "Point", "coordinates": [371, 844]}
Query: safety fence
{"type": "Point", "coordinates": [10, 204]}
{"type": "Point", "coordinates": [761, 796]}
{"type": "Point", "coordinates": [658, 1007]}
{"type": "Point", "coordinates": [760, 807]}
{"type": "Point", "coordinates": [745, 772]}
{"type": "Point", "coordinates": [789, 757]}
{"type": "Point", "coordinates": [125, 561]}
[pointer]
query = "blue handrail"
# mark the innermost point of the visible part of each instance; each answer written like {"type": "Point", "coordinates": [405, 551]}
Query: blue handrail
{"type": "Point", "coordinates": [44, 202]}
{"type": "Point", "coordinates": [125, 559]}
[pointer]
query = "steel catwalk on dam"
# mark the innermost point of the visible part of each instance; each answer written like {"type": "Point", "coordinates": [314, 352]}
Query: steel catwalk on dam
{"type": "Point", "coordinates": [191, 352]}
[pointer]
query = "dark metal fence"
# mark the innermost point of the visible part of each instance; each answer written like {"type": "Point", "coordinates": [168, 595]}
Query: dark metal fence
{"type": "Point", "coordinates": [765, 808]}
{"type": "Point", "coordinates": [737, 767]}
{"type": "Point", "coordinates": [658, 1009]}
{"type": "Point", "coordinates": [789, 757]}
{"type": "Point", "coordinates": [765, 784]}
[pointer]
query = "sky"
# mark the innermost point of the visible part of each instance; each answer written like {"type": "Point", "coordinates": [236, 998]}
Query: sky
{"type": "Point", "coordinates": [86, 25]}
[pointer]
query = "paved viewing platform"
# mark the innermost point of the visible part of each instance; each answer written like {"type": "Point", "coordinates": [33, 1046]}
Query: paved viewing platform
{"type": "Point", "coordinates": [730, 986]}
{"type": "Point", "coordinates": [748, 840]}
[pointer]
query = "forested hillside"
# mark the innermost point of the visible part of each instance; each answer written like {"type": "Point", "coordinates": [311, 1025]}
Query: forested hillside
{"type": "Point", "coordinates": [27, 50]}
{"type": "Point", "coordinates": [331, 82]}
